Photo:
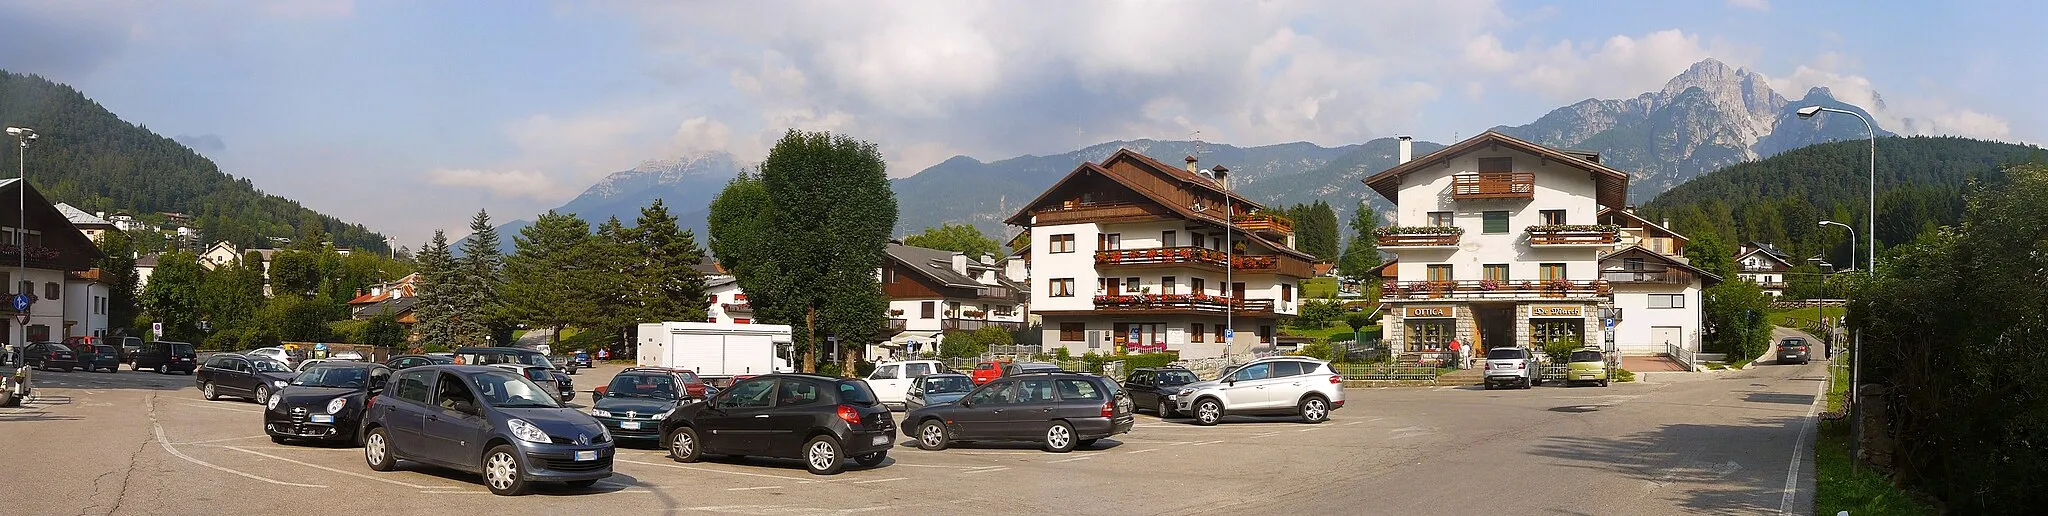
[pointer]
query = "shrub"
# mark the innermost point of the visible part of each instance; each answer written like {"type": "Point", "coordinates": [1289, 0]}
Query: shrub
{"type": "Point", "coordinates": [1357, 320]}
{"type": "Point", "coordinates": [961, 345]}
{"type": "Point", "coordinates": [1317, 313]}
{"type": "Point", "coordinates": [1320, 350]}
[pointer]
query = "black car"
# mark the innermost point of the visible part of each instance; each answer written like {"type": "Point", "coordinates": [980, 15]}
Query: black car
{"type": "Point", "coordinates": [325, 402]}
{"type": "Point", "coordinates": [1062, 410]}
{"type": "Point", "coordinates": [820, 420]}
{"type": "Point", "coordinates": [937, 389]}
{"type": "Point", "coordinates": [1154, 387]}
{"type": "Point", "coordinates": [484, 420]}
{"type": "Point", "coordinates": [49, 356]}
{"type": "Point", "coordinates": [412, 361]}
{"type": "Point", "coordinates": [253, 377]}
{"type": "Point", "coordinates": [511, 355]}
{"type": "Point", "coordinates": [636, 401]}
{"type": "Point", "coordinates": [165, 357]}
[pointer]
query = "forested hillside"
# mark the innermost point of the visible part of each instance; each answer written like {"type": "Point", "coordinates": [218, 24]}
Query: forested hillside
{"type": "Point", "coordinates": [1780, 200]}
{"type": "Point", "coordinates": [90, 158]}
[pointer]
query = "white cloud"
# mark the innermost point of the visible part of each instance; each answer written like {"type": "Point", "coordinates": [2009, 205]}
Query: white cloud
{"type": "Point", "coordinates": [509, 183]}
{"type": "Point", "coordinates": [1618, 67]}
{"type": "Point", "coordinates": [1753, 5]}
{"type": "Point", "coordinates": [1911, 116]}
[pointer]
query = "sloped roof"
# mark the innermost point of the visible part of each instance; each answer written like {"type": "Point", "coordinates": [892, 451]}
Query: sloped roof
{"type": "Point", "coordinates": [1646, 222]}
{"type": "Point", "coordinates": [1611, 185]}
{"type": "Point", "coordinates": [394, 306]}
{"type": "Point", "coordinates": [1023, 215]}
{"type": "Point", "coordinates": [79, 217]}
{"type": "Point", "coordinates": [1708, 279]}
{"type": "Point", "coordinates": [934, 264]}
{"type": "Point", "coordinates": [719, 281]}
{"type": "Point", "coordinates": [1768, 251]}
{"type": "Point", "coordinates": [146, 260]}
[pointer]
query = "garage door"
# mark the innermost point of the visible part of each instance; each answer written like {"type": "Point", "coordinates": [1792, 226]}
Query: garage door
{"type": "Point", "coordinates": [1661, 335]}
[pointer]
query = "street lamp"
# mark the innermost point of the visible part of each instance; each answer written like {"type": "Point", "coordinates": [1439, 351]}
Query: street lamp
{"type": "Point", "coordinates": [24, 135]}
{"type": "Point", "coordinates": [1855, 357]}
{"type": "Point", "coordinates": [1222, 176]}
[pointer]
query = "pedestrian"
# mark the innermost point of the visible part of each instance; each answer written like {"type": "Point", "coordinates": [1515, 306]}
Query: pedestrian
{"type": "Point", "coordinates": [1465, 357]}
{"type": "Point", "coordinates": [1457, 354]}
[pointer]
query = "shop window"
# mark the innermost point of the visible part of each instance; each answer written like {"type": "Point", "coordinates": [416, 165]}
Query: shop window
{"type": "Point", "coordinates": [1430, 335]}
{"type": "Point", "coordinates": [1545, 333]}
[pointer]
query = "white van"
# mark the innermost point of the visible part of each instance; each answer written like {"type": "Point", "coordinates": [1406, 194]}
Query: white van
{"type": "Point", "coordinates": [891, 380]}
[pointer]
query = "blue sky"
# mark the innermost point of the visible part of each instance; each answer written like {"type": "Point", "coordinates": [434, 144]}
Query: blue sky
{"type": "Point", "coordinates": [409, 116]}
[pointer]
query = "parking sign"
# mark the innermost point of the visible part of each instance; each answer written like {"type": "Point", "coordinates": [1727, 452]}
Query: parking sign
{"type": "Point", "coordinates": [1229, 333]}
{"type": "Point", "coordinates": [157, 328]}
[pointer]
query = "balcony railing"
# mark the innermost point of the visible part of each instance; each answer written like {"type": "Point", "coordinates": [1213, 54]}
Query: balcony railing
{"type": "Point", "coordinates": [1265, 222]}
{"type": "Point", "coordinates": [1492, 289]}
{"type": "Point", "coordinates": [1560, 234]}
{"type": "Point", "coordinates": [1418, 236]}
{"type": "Point", "coordinates": [738, 307]}
{"type": "Point", "coordinates": [1161, 256]}
{"type": "Point", "coordinates": [898, 325]}
{"type": "Point", "coordinates": [1076, 211]}
{"type": "Point", "coordinates": [976, 324]}
{"type": "Point", "coordinates": [1494, 185]}
{"type": "Point", "coordinates": [1199, 303]}
{"type": "Point", "coordinates": [1654, 276]}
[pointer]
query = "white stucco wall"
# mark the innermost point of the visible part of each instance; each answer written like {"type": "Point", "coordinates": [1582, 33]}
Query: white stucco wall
{"type": "Point", "coordinates": [1633, 334]}
{"type": "Point", "coordinates": [1557, 187]}
{"type": "Point", "coordinates": [727, 293]}
{"type": "Point", "coordinates": [82, 301]}
{"type": "Point", "coordinates": [1047, 266]}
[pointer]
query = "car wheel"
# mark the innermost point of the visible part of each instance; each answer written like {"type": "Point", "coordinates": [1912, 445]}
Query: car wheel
{"type": "Point", "coordinates": [1060, 437]}
{"type": "Point", "coordinates": [822, 456]}
{"type": "Point", "coordinates": [377, 451]}
{"type": "Point", "coordinates": [1315, 409]}
{"type": "Point", "coordinates": [683, 445]}
{"type": "Point", "coordinates": [1208, 412]}
{"type": "Point", "coordinates": [206, 390]}
{"type": "Point", "coordinates": [931, 435]}
{"type": "Point", "coordinates": [502, 472]}
{"type": "Point", "coordinates": [1164, 410]}
{"type": "Point", "coordinates": [262, 394]}
{"type": "Point", "coordinates": [871, 460]}
{"type": "Point", "coordinates": [1603, 383]}
{"type": "Point", "coordinates": [581, 484]}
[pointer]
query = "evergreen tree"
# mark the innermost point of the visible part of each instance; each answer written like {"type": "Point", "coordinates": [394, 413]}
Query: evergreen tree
{"type": "Point", "coordinates": [478, 276]}
{"type": "Point", "coordinates": [546, 275]}
{"type": "Point", "coordinates": [117, 268]}
{"type": "Point", "coordinates": [172, 296]}
{"type": "Point", "coordinates": [435, 288]}
{"type": "Point", "coordinates": [963, 238]}
{"type": "Point", "coordinates": [667, 285]}
{"type": "Point", "coordinates": [1363, 252]}
{"type": "Point", "coordinates": [610, 286]}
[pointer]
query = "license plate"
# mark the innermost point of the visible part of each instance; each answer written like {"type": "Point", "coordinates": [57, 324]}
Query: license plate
{"type": "Point", "coordinates": [881, 440]}
{"type": "Point", "coordinates": [630, 425]}
{"type": "Point", "coordinates": [586, 455]}
{"type": "Point", "coordinates": [322, 418]}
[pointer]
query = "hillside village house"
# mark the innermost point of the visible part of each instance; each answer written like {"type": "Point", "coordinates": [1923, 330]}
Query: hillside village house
{"type": "Point", "coordinates": [93, 225]}
{"type": "Point", "coordinates": [1765, 265]}
{"type": "Point", "coordinates": [391, 297]}
{"type": "Point", "coordinates": [726, 303]}
{"type": "Point", "coordinates": [1130, 254]}
{"type": "Point", "coordinates": [51, 250]}
{"type": "Point", "coordinates": [1502, 242]}
{"type": "Point", "coordinates": [933, 291]}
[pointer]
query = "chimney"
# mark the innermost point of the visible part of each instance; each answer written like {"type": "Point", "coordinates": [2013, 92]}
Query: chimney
{"type": "Point", "coordinates": [1192, 168]}
{"type": "Point", "coordinates": [100, 214]}
{"type": "Point", "coordinates": [1407, 148]}
{"type": "Point", "coordinates": [1665, 223]}
{"type": "Point", "coordinates": [960, 262]}
{"type": "Point", "coordinates": [1629, 209]}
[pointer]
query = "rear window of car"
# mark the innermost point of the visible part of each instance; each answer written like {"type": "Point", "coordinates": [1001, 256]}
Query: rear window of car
{"type": "Point", "coordinates": [1505, 354]}
{"type": "Point", "coordinates": [1073, 389]}
{"type": "Point", "coordinates": [984, 367]}
{"type": "Point", "coordinates": [1586, 356]}
{"type": "Point", "coordinates": [104, 348]}
{"type": "Point", "coordinates": [856, 392]}
{"type": "Point", "coordinates": [182, 349]}
{"type": "Point", "coordinates": [1793, 342]}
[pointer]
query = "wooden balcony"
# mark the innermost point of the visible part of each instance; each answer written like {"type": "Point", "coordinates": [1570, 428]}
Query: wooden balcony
{"type": "Point", "coordinates": [1103, 211]}
{"type": "Point", "coordinates": [738, 307]}
{"type": "Point", "coordinates": [1417, 237]}
{"type": "Point", "coordinates": [898, 325]}
{"type": "Point", "coordinates": [1669, 276]}
{"type": "Point", "coordinates": [1169, 304]}
{"type": "Point", "coordinates": [1564, 236]}
{"type": "Point", "coordinates": [1273, 225]}
{"type": "Point", "coordinates": [1161, 256]}
{"type": "Point", "coordinates": [976, 324]}
{"type": "Point", "coordinates": [1494, 185]}
{"type": "Point", "coordinates": [1490, 289]}
{"type": "Point", "coordinates": [1273, 264]}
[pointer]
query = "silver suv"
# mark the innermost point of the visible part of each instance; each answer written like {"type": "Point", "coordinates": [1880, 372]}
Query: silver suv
{"type": "Point", "coordinates": [1267, 386]}
{"type": "Point", "coordinates": [1518, 367]}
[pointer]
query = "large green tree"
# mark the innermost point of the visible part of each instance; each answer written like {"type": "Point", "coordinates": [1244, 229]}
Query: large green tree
{"type": "Point", "coordinates": [665, 280]}
{"type": "Point", "coordinates": [231, 294]}
{"type": "Point", "coordinates": [1315, 230]}
{"type": "Point", "coordinates": [1362, 254]}
{"type": "Point", "coordinates": [295, 272]}
{"type": "Point", "coordinates": [172, 296]}
{"type": "Point", "coordinates": [963, 238]}
{"type": "Point", "coordinates": [610, 287]}
{"type": "Point", "coordinates": [828, 212]}
{"type": "Point", "coordinates": [478, 276]}
{"type": "Point", "coordinates": [547, 272]}
{"type": "Point", "coordinates": [435, 287]}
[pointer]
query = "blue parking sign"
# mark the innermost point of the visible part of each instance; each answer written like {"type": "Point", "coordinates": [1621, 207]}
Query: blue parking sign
{"type": "Point", "coordinates": [1229, 333]}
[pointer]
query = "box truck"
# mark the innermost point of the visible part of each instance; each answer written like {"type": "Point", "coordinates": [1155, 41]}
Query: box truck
{"type": "Point", "coordinates": [719, 353]}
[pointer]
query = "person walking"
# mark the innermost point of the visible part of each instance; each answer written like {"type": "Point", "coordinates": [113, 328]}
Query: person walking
{"type": "Point", "coordinates": [1457, 354]}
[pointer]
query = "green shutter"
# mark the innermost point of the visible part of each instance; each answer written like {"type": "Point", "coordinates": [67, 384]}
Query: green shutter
{"type": "Point", "coordinates": [1496, 222]}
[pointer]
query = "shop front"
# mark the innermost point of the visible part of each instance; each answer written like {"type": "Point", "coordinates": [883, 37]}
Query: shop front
{"type": "Point", "coordinates": [1428, 329]}
{"type": "Point", "coordinates": [1554, 326]}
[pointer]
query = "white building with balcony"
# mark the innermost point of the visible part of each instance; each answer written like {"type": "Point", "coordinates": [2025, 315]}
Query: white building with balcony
{"type": "Point", "coordinates": [1130, 255]}
{"type": "Point", "coordinates": [1502, 242]}
{"type": "Point", "coordinates": [1765, 265]}
{"type": "Point", "coordinates": [934, 291]}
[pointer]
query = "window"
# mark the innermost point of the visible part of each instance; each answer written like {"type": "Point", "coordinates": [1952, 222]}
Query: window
{"type": "Point", "coordinates": [887, 372]}
{"type": "Point", "coordinates": [1166, 284]}
{"type": "Point", "coordinates": [1440, 272]}
{"type": "Point", "coordinates": [1035, 391]}
{"type": "Point", "coordinates": [918, 370]}
{"type": "Point", "coordinates": [1427, 335]}
{"type": "Point", "coordinates": [1544, 332]}
{"type": "Point", "coordinates": [1287, 293]}
{"type": "Point", "coordinates": [1197, 286]}
{"type": "Point", "coordinates": [1109, 241]}
{"type": "Point", "coordinates": [1169, 239]}
{"type": "Point", "coordinates": [1216, 242]}
{"type": "Point", "coordinates": [1131, 285]}
{"type": "Point", "coordinates": [1552, 216]}
{"type": "Point", "coordinates": [1062, 243]}
{"type": "Point", "coordinates": [1258, 371]}
{"type": "Point", "coordinates": [1496, 222]}
{"type": "Point", "coordinates": [1266, 334]}
{"type": "Point", "coordinates": [1073, 332]}
{"type": "Point", "coordinates": [1632, 264]}
{"type": "Point", "coordinates": [1487, 165]}
{"type": "Point", "coordinates": [1285, 369]}
{"type": "Point", "coordinates": [52, 291]}
{"type": "Point", "coordinates": [796, 393]}
{"type": "Point", "coordinates": [928, 309]}
{"type": "Point", "coordinates": [1551, 271]}
{"type": "Point", "coordinates": [1497, 271]}
{"type": "Point", "coordinates": [1005, 310]}
{"type": "Point", "coordinates": [1667, 300]}
{"type": "Point", "coordinates": [748, 394]}
{"type": "Point", "coordinates": [1219, 334]}
{"type": "Point", "coordinates": [1063, 287]}
{"type": "Point", "coordinates": [998, 393]}
{"type": "Point", "coordinates": [452, 390]}
{"type": "Point", "coordinates": [1075, 389]}
{"type": "Point", "coordinates": [1195, 333]}
{"type": "Point", "coordinates": [412, 386]}
{"type": "Point", "coordinates": [1440, 219]}
{"type": "Point", "coordinates": [1195, 239]}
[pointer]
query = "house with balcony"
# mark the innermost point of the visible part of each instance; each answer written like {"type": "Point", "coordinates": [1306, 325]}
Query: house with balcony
{"type": "Point", "coordinates": [724, 302]}
{"type": "Point", "coordinates": [933, 291]}
{"type": "Point", "coordinates": [1765, 265]}
{"type": "Point", "coordinates": [1132, 254]}
{"type": "Point", "coordinates": [1502, 242]}
{"type": "Point", "coordinates": [42, 253]}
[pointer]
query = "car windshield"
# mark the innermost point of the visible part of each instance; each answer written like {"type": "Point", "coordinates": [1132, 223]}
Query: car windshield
{"type": "Point", "coordinates": [264, 365]}
{"type": "Point", "coordinates": [535, 360]}
{"type": "Point", "coordinates": [181, 349]}
{"type": "Point", "coordinates": [946, 384]}
{"type": "Point", "coordinates": [855, 392]}
{"type": "Point", "coordinates": [505, 389]}
{"type": "Point", "coordinates": [348, 377]}
{"type": "Point", "coordinates": [1175, 377]}
{"type": "Point", "coordinates": [1505, 354]}
{"type": "Point", "coordinates": [658, 386]}
{"type": "Point", "coordinates": [1586, 356]}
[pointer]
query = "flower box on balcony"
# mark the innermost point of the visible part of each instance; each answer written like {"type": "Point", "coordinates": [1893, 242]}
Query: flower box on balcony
{"type": "Point", "coordinates": [1566, 234]}
{"type": "Point", "coordinates": [33, 252]}
{"type": "Point", "coordinates": [1397, 236]}
{"type": "Point", "coordinates": [972, 314]}
{"type": "Point", "coordinates": [895, 312]}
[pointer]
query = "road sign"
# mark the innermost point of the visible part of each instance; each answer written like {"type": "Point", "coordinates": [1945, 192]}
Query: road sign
{"type": "Point", "coordinates": [21, 302]}
{"type": "Point", "coordinates": [1229, 333]}
{"type": "Point", "coordinates": [157, 328]}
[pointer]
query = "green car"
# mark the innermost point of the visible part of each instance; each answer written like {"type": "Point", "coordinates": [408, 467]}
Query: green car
{"type": "Point", "coordinates": [1586, 366]}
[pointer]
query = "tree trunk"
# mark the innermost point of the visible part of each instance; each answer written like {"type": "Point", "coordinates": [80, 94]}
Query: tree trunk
{"type": "Point", "coordinates": [811, 349]}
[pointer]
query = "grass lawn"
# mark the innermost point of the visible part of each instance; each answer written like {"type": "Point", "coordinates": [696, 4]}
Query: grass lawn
{"type": "Point", "coordinates": [1785, 317]}
{"type": "Point", "coordinates": [1334, 333]}
{"type": "Point", "coordinates": [1863, 492]}
{"type": "Point", "coordinates": [1315, 288]}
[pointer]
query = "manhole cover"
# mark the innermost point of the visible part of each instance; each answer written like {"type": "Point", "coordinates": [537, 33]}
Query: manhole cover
{"type": "Point", "coordinates": [1576, 408]}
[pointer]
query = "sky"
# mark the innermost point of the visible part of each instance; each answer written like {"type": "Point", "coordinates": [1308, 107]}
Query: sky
{"type": "Point", "coordinates": [410, 116]}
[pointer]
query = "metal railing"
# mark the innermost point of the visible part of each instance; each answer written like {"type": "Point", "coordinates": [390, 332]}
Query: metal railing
{"type": "Point", "coordinates": [1387, 372]}
{"type": "Point", "coordinates": [1685, 357]}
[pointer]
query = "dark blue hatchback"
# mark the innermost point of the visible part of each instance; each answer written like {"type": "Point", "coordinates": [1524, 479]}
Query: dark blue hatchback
{"type": "Point", "coordinates": [484, 420]}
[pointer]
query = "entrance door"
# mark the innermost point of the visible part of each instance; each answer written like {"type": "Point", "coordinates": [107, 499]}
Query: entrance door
{"type": "Point", "coordinates": [1496, 327]}
{"type": "Point", "coordinates": [1661, 335]}
{"type": "Point", "coordinates": [1237, 291]}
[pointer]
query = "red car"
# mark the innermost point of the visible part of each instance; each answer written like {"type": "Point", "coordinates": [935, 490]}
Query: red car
{"type": "Point", "coordinates": [988, 371]}
{"type": "Point", "coordinates": [693, 386]}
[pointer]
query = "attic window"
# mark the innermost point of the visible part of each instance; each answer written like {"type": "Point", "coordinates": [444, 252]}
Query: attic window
{"type": "Point", "coordinates": [1487, 165]}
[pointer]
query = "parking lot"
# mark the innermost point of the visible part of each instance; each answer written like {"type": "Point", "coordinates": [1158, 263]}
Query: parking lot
{"type": "Point", "coordinates": [141, 443]}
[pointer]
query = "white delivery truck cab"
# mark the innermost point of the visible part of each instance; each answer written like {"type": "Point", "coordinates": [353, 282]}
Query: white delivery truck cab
{"type": "Point", "coordinates": [718, 352]}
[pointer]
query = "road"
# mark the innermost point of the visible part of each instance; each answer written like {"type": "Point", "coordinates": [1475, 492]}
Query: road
{"type": "Point", "coordinates": [1714, 443]}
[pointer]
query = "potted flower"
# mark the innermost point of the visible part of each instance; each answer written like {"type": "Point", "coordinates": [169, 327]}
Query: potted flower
{"type": "Point", "coordinates": [1489, 285]}
{"type": "Point", "coordinates": [895, 312]}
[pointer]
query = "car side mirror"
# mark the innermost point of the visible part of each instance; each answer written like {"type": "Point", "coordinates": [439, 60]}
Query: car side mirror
{"type": "Point", "coordinates": [1230, 380]}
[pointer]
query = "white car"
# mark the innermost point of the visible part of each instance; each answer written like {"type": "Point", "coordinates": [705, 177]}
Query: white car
{"type": "Point", "coordinates": [1513, 367]}
{"type": "Point", "coordinates": [891, 380]}
{"type": "Point", "coordinates": [347, 355]}
{"type": "Point", "coordinates": [277, 354]}
{"type": "Point", "coordinates": [1268, 386]}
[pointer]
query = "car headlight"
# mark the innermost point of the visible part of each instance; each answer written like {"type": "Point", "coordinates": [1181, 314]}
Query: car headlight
{"type": "Point", "coordinates": [277, 384]}
{"type": "Point", "coordinates": [272, 404]}
{"type": "Point", "coordinates": [526, 431]}
{"type": "Point", "coordinates": [1185, 392]}
{"type": "Point", "coordinates": [664, 415]}
{"type": "Point", "coordinates": [334, 407]}
{"type": "Point", "coordinates": [600, 413]}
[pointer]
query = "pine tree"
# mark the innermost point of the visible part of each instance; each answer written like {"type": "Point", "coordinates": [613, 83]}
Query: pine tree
{"type": "Point", "coordinates": [668, 284]}
{"type": "Point", "coordinates": [478, 275]}
{"type": "Point", "coordinates": [435, 288]}
{"type": "Point", "coordinates": [1363, 253]}
{"type": "Point", "coordinates": [610, 287]}
{"type": "Point", "coordinates": [547, 272]}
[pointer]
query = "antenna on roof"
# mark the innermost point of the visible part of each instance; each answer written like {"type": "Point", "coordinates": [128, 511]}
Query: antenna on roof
{"type": "Point", "coordinates": [1199, 147]}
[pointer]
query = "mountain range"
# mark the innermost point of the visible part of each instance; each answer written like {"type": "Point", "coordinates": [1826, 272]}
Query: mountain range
{"type": "Point", "coordinates": [1709, 117]}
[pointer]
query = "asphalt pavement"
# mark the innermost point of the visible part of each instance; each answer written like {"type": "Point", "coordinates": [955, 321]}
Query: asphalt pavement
{"type": "Point", "coordinates": [1729, 442]}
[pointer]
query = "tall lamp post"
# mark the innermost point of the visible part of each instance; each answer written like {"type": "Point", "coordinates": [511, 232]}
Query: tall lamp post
{"type": "Point", "coordinates": [23, 135]}
{"type": "Point", "coordinates": [1856, 346]}
{"type": "Point", "coordinates": [1222, 176]}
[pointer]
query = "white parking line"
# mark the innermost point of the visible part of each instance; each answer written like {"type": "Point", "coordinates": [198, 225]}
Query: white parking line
{"type": "Point", "coordinates": [752, 488]}
{"type": "Point", "coordinates": [939, 466]}
{"type": "Point", "coordinates": [1072, 459]}
{"type": "Point", "coordinates": [881, 480]}
{"type": "Point", "coordinates": [1001, 453]}
{"type": "Point", "coordinates": [1308, 429]}
{"type": "Point", "coordinates": [218, 407]}
{"type": "Point", "coordinates": [210, 441]}
{"type": "Point", "coordinates": [1267, 434]}
{"type": "Point", "coordinates": [1142, 451]}
{"type": "Point", "coordinates": [985, 470]}
{"type": "Point", "coordinates": [694, 468]}
{"type": "Point", "coordinates": [166, 443]}
{"type": "Point", "coordinates": [1203, 443]}
{"type": "Point", "coordinates": [325, 468]}
{"type": "Point", "coordinates": [1353, 423]}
